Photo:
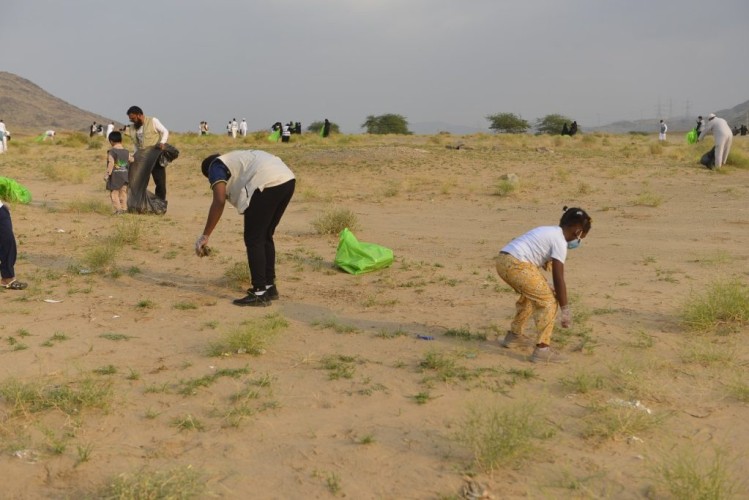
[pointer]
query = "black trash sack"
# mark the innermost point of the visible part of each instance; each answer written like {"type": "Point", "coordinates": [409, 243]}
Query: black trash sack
{"type": "Point", "coordinates": [708, 159]}
{"type": "Point", "coordinates": [139, 199]}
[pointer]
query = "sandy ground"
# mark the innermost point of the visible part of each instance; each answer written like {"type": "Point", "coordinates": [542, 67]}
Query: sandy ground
{"type": "Point", "coordinates": [390, 425]}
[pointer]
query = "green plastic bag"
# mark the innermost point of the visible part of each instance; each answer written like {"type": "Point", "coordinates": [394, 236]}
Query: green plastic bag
{"type": "Point", "coordinates": [692, 136]}
{"type": "Point", "coordinates": [273, 137]}
{"type": "Point", "coordinates": [12, 191]}
{"type": "Point", "coordinates": [356, 257]}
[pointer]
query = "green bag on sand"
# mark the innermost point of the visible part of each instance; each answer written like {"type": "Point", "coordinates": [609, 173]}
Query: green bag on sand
{"type": "Point", "coordinates": [692, 136]}
{"type": "Point", "coordinates": [356, 257]}
{"type": "Point", "coordinates": [11, 190]}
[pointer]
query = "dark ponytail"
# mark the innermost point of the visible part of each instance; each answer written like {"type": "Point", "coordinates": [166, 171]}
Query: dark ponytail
{"type": "Point", "coordinates": [573, 216]}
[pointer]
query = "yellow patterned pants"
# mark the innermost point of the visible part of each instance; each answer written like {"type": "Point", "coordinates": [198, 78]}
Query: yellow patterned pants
{"type": "Point", "coordinates": [536, 296]}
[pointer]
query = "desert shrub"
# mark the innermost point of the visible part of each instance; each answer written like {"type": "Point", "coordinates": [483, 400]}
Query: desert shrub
{"type": "Point", "coordinates": [335, 220]}
{"type": "Point", "coordinates": [724, 306]}
{"type": "Point", "coordinates": [101, 257]}
{"type": "Point", "coordinates": [737, 159]}
{"type": "Point", "coordinates": [128, 230]}
{"type": "Point", "coordinates": [238, 275]}
{"type": "Point", "coordinates": [74, 140]}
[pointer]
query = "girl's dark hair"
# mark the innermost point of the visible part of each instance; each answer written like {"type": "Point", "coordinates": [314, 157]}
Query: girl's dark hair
{"type": "Point", "coordinates": [574, 216]}
{"type": "Point", "coordinates": [207, 163]}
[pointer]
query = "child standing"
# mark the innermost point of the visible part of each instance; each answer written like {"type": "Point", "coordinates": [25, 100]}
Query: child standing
{"type": "Point", "coordinates": [118, 159]}
{"type": "Point", "coordinates": [519, 264]}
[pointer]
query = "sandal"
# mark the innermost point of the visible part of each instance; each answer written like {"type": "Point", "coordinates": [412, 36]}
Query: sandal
{"type": "Point", "coordinates": [15, 285]}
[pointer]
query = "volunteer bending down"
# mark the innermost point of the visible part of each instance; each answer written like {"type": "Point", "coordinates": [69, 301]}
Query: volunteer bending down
{"type": "Point", "coordinates": [260, 186]}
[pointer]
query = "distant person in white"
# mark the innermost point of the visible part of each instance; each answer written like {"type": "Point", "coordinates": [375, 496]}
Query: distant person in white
{"type": "Point", "coordinates": [723, 138]}
{"type": "Point", "coordinates": [243, 127]}
{"type": "Point", "coordinates": [234, 128]}
{"type": "Point", "coordinates": [110, 129]}
{"type": "Point", "coordinates": [3, 137]}
{"type": "Point", "coordinates": [49, 134]}
{"type": "Point", "coordinates": [663, 130]}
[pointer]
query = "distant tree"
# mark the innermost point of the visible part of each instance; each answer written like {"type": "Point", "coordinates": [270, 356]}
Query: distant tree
{"type": "Point", "coordinates": [316, 126]}
{"type": "Point", "coordinates": [508, 123]}
{"type": "Point", "coordinates": [386, 124]}
{"type": "Point", "coordinates": [552, 124]}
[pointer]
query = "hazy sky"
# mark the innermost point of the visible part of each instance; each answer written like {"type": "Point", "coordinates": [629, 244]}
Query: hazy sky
{"type": "Point", "coordinates": [452, 61]}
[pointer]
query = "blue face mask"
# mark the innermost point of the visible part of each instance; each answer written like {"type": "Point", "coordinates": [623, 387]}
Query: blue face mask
{"type": "Point", "coordinates": [574, 244]}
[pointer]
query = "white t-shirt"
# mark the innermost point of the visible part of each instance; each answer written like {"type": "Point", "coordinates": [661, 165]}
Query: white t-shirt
{"type": "Point", "coordinates": [538, 246]}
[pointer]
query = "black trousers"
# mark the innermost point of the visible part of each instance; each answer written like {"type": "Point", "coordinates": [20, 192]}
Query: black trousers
{"type": "Point", "coordinates": [8, 251]}
{"type": "Point", "coordinates": [260, 221]}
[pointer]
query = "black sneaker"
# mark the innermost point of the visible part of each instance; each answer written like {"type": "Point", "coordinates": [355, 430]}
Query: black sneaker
{"type": "Point", "coordinates": [253, 300]}
{"type": "Point", "coordinates": [272, 292]}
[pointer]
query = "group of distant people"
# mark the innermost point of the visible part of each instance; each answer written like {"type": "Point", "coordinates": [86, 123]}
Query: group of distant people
{"type": "Point", "coordinates": [572, 130]}
{"type": "Point", "coordinates": [233, 128]}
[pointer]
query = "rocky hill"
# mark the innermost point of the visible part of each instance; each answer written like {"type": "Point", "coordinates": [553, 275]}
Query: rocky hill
{"type": "Point", "coordinates": [24, 106]}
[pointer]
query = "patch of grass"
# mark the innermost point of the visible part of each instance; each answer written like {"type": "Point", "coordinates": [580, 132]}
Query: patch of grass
{"type": "Point", "coordinates": [500, 436]}
{"type": "Point", "coordinates": [115, 336]}
{"type": "Point", "coordinates": [184, 306]}
{"type": "Point", "coordinates": [69, 396]}
{"type": "Point", "coordinates": [237, 275]}
{"type": "Point", "coordinates": [145, 304]}
{"type": "Point", "coordinates": [583, 382]}
{"type": "Point", "coordinates": [505, 187]}
{"type": "Point", "coordinates": [340, 366]}
{"type": "Point", "coordinates": [187, 423]}
{"type": "Point", "coordinates": [647, 199]}
{"type": "Point", "coordinates": [445, 368]}
{"type": "Point", "coordinates": [100, 258]}
{"type": "Point", "coordinates": [335, 325]}
{"type": "Point", "coordinates": [722, 308]}
{"type": "Point", "coordinates": [391, 334]}
{"type": "Point", "coordinates": [641, 340]}
{"type": "Point", "coordinates": [422, 397]}
{"type": "Point", "coordinates": [177, 483]}
{"type": "Point", "coordinates": [105, 370]}
{"type": "Point", "coordinates": [128, 231]}
{"type": "Point", "coordinates": [618, 419]}
{"type": "Point", "coordinates": [94, 206]}
{"type": "Point", "coordinates": [335, 220]}
{"type": "Point", "coordinates": [708, 352]}
{"type": "Point", "coordinates": [688, 473]}
{"type": "Point", "coordinates": [84, 452]}
{"type": "Point", "coordinates": [465, 334]}
{"type": "Point", "coordinates": [251, 337]}
{"type": "Point", "coordinates": [190, 387]}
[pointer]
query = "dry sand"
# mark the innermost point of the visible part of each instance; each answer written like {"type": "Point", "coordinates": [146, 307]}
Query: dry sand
{"type": "Point", "coordinates": [663, 228]}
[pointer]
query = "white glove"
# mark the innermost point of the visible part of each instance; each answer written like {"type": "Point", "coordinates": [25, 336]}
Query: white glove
{"type": "Point", "coordinates": [201, 250]}
{"type": "Point", "coordinates": [566, 317]}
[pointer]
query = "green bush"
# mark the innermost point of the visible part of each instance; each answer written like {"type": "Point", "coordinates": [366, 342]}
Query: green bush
{"type": "Point", "coordinates": [724, 306]}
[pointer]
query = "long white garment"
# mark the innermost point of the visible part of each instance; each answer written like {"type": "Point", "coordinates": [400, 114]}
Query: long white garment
{"type": "Point", "coordinates": [723, 138]}
{"type": "Point", "coordinates": [3, 139]}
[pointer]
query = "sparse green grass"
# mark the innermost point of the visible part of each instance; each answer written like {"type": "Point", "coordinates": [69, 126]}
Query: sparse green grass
{"type": "Point", "coordinates": [583, 382]}
{"type": "Point", "coordinates": [69, 396]}
{"type": "Point", "coordinates": [115, 336]}
{"type": "Point", "coordinates": [237, 275]}
{"type": "Point", "coordinates": [340, 366]}
{"type": "Point", "coordinates": [94, 206]}
{"type": "Point", "coordinates": [335, 220]}
{"type": "Point", "coordinates": [505, 187]}
{"type": "Point", "coordinates": [722, 308]}
{"type": "Point", "coordinates": [391, 334]}
{"type": "Point", "coordinates": [707, 352]}
{"type": "Point", "coordinates": [184, 306]}
{"type": "Point", "coordinates": [648, 199]}
{"type": "Point", "coordinates": [190, 387]}
{"type": "Point", "coordinates": [105, 370]}
{"type": "Point", "coordinates": [251, 337]}
{"type": "Point", "coordinates": [100, 258]}
{"type": "Point", "coordinates": [618, 419]}
{"type": "Point", "coordinates": [187, 423]}
{"type": "Point", "coordinates": [501, 437]}
{"type": "Point", "coordinates": [127, 231]}
{"type": "Point", "coordinates": [689, 473]}
{"type": "Point", "coordinates": [465, 334]}
{"type": "Point", "coordinates": [175, 484]}
{"type": "Point", "coordinates": [145, 304]}
{"type": "Point", "coordinates": [335, 325]}
{"type": "Point", "coordinates": [422, 397]}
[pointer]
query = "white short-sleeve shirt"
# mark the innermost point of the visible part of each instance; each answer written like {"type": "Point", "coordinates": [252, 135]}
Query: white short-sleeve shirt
{"type": "Point", "coordinates": [538, 246]}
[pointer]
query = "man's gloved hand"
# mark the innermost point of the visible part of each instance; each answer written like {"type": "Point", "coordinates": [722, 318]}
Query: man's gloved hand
{"type": "Point", "coordinates": [201, 246]}
{"type": "Point", "coordinates": [566, 317]}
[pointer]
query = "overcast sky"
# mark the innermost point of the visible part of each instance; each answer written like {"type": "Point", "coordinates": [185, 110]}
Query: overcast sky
{"type": "Point", "coordinates": [452, 61]}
